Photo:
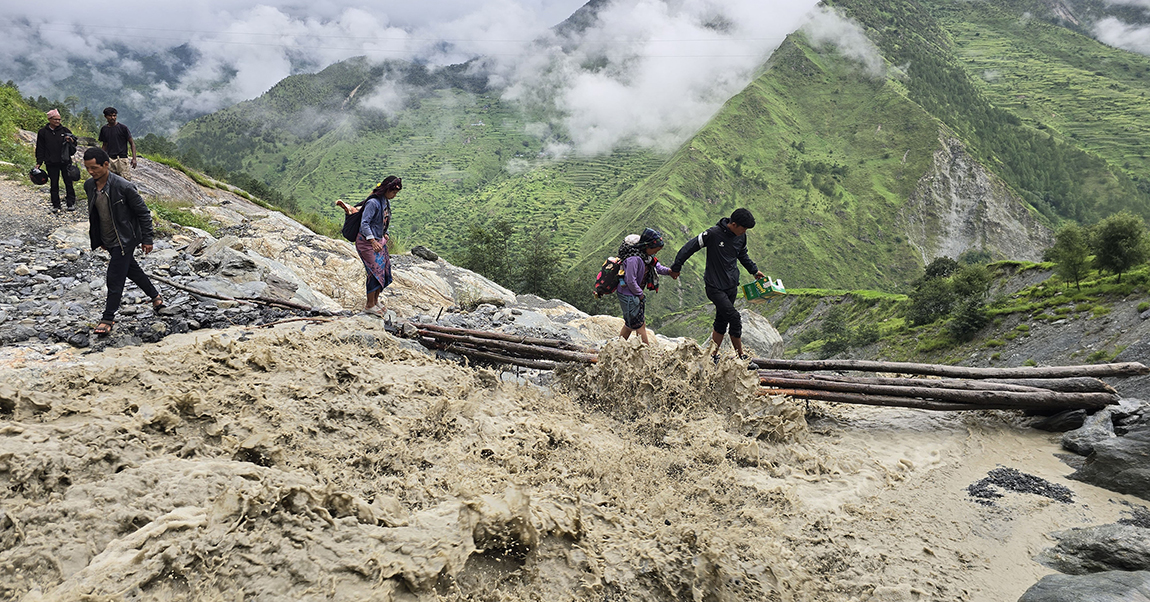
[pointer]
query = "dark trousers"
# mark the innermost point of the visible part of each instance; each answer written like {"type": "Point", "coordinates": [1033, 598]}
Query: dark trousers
{"type": "Point", "coordinates": [725, 312]}
{"type": "Point", "coordinates": [55, 174]}
{"type": "Point", "coordinates": [121, 267]}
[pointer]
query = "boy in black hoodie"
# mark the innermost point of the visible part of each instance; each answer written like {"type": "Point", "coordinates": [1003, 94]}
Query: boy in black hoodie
{"type": "Point", "coordinates": [726, 243]}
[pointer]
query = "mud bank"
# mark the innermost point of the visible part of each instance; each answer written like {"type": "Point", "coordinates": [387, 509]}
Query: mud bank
{"type": "Point", "coordinates": [333, 462]}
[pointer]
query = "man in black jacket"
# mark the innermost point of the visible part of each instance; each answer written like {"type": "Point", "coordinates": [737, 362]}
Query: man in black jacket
{"type": "Point", "coordinates": [118, 222]}
{"type": "Point", "coordinates": [726, 243]}
{"type": "Point", "coordinates": [54, 147]}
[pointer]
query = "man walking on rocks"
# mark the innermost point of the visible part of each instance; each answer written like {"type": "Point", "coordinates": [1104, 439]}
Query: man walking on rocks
{"type": "Point", "coordinates": [54, 147]}
{"type": "Point", "coordinates": [118, 222]}
{"type": "Point", "coordinates": [726, 243]}
{"type": "Point", "coordinates": [115, 139]}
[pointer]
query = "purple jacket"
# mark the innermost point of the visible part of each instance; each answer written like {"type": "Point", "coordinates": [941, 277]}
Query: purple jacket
{"type": "Point", "coordinates": [634, 272]}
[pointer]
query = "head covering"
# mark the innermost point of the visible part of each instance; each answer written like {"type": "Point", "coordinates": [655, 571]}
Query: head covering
{"type": "Point", "coordinates": [650, 238]}
{"type": "Point", "coordinates": [53, 113]}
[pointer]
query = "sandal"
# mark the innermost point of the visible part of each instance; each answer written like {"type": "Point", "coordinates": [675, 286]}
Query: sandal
{"type": "Point", "coordinates": [104, 328]}
{"type": "Point", "coordinates": [158, 303]}
{"type": "Point", "coordinates": [376, 310]}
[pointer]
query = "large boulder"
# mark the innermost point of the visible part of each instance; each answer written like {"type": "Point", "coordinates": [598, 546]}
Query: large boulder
{"type": "Point", "coordinates": [1111, 586]}
{"type": "Point", "coordinates": [231, 270]}
{"type": "Point", "coordinates": [1120, 464]}
{"type": "Point", "coordinates": [1097, 549]}
{"type": "Point", "coordinates": [1096, 428]}
{"type": "Point", "coordinates": [760, 337]}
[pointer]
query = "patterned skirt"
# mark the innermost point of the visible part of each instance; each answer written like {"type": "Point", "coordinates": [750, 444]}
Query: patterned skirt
{"type": "Point", "coordinates": [378, 265]}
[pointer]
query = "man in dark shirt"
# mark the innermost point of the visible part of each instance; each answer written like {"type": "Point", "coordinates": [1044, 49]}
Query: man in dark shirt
{"type": "Point", "coordinates": [54, 147]}
{"type": "Point", "coordinates": [726, 244]}
{"type": "Point", "coordinates": [115, 139]}
{"type": "Point", "coordinates": [118, 222]}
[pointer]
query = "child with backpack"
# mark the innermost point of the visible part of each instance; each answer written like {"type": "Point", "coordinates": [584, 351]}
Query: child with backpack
{"type": "Point", "coordinates": [641, 270]}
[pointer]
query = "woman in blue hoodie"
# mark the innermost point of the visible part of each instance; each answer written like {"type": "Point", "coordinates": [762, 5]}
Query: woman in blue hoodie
{"type": "Point", "coordinates": [371, 244]}
{"type": "Point", "coordinates": [641, 270]}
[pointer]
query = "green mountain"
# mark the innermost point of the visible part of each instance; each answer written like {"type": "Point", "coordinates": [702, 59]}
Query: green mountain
{"type": "Point", "coordinates": [994, 122]}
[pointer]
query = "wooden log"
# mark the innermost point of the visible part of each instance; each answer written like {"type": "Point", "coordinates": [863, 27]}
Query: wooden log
{"type": "Point", "coordinates": [935, 383]}
{"type": "Point", "coordinates": [1080, 384]}
{"type": "Point", "coordinates": [431, 343]}
{"type": "Point", "coordinates": [881, 400]}
{"type": "Point", "coordinates": [512, 338]}
{"type": "Point", "coordinates": [1120, 369]}
{"type": "Point", "coordinates": [520, 349]}
{"type": "Point", "coordinates": [1041, 399]}
{"type": "Point", "coordinates": [1084, 384]}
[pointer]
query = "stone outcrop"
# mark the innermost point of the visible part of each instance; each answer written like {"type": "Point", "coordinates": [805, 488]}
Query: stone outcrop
{"type": "Point", "coordinates": [1099, 549]}
{"type": "Point", "coordinates": [958, 205]}
{"type": "Point", "coordinates": [1111, 586]}
{"type": "Point", "coordinates": [1120, 464]}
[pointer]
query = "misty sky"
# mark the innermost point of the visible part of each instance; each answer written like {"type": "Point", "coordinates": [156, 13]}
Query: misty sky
{"type": "Point", "coordinates": [670, 64]}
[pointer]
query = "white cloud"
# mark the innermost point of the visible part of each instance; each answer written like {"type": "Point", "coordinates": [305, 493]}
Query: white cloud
{"type": "Point", "coordinates": [1135, 38]}
{"type": "Point", "coordinates": [646, 72]}
{"type": "Point", "coordinates": [827, 28]}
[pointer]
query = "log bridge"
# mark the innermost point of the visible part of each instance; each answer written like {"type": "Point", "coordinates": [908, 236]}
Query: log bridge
{"type": "Point", "coordinates": [945, 388]}
{"type": "Point", "coordinates": [500, 348]}
{"type": "Point", "coordinates": [1042, 389]}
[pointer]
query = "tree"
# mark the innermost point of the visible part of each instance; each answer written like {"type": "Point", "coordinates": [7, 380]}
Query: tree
{"type": "Point", "coordinates": [941, 267]}
{"type": "Point", "coordinates": [1071, 251]}
{"type": "Point", "coordinates": [971, 282]}
{"type": "Point", "coordinates": [968, 318]}
{"type": "Point", "coordinates": [931, 299]}
{"type": "Point", "coordinates": [539, 266]}
{"type": "Point", "coordinates": [835, 332]}
{"type": "Point", "coordinates": [1120, 243]}
{"type": "Point", "coordinates": [487, 251]}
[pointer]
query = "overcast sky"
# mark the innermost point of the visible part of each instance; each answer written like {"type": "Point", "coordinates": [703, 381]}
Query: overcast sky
{"type": "Point", "coordinates": [671, 63]}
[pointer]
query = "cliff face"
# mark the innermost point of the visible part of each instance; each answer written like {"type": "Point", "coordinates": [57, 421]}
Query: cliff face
{"type": "Point", "coordinates": [959, 205]}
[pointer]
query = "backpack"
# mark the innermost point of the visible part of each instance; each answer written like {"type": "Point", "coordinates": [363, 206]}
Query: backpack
{"type": "Point", "coordinates": [607, 280]}
{"type": "Point", "coordinates": [351, 223]}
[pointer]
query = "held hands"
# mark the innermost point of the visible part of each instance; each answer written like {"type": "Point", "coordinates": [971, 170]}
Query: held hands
{"type": "Point", "coordinates": [674, 275]}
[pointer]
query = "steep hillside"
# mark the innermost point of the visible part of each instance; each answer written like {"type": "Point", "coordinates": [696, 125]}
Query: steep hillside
{"type": "Point", "coordinates": [1057, 80]}
{"type": "Point", "coordinates": [858, 178]}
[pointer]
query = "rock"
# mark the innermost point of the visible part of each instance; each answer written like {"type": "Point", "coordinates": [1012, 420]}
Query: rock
{"type": "Point", "coordinates": [1111, 586]}
{"type": "Point", "coordinates": [22, 270]}
{"type": "Point", "coordinates": [1145, 315]}
{"type": "Point", "coordinates": [1062, 421]}
{"type": "Point", "coordinates": [760, 336]}
{"type": "Point", "coordinates": [1120, 464]}
{"type": "Point", "coordinates": [1098, 549]}
{"type": "Point", "coordinates": [424, 253]}
{"type": "Point", "coordinates": [1098, 427]}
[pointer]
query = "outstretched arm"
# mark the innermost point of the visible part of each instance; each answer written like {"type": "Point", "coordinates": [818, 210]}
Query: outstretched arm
{"type": "Point", "coordinates": [687, 251]}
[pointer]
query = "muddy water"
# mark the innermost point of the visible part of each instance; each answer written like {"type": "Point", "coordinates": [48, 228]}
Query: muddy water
{"type": "Point", "coordinates": [332, 463]}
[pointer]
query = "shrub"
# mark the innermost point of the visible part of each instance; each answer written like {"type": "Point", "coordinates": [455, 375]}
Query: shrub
{"type": "Point", "coordinates": [1030, 362]}
{"type": "Point", "coordinates": [994, 343]}
{"type": "Point", "coordinates": [1143, 306]}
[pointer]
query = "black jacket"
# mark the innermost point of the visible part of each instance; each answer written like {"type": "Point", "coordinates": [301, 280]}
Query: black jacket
{"type": "Point", "coordinates": [723, 249]}
{"type": "Point", "coordinates": [132, 218]}
{"type": "Point", "coordinates": [54, 146]}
